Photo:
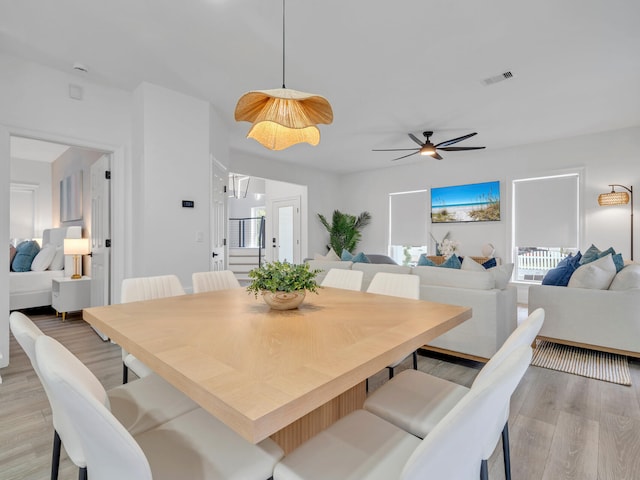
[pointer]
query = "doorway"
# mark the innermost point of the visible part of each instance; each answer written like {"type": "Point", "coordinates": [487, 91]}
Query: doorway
{"type": "Point", "coordinates": [286, 230]}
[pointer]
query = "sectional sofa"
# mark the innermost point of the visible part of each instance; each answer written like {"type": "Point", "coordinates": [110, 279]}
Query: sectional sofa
{"type": "Point", "coordinates": [492, 300]}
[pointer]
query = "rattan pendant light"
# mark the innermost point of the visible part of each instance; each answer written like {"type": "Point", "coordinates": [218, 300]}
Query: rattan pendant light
{"type": "Point", "coordinates": [282, 117]}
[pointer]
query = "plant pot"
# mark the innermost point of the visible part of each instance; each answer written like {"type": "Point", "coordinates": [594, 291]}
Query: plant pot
{"type": "Point", "coordinates": [283, 300]}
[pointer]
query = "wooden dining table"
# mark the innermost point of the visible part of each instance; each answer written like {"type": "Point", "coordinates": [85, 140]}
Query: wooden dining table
{"type": "Point", "coordinates": [268, 373]}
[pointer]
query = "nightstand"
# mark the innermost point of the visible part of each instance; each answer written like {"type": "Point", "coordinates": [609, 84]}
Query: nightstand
{"type": "Point", "coordinates": [69, 295]}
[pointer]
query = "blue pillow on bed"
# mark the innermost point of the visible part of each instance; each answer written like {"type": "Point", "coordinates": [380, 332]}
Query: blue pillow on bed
{"type": "Point", "coordinates": [25, 253]}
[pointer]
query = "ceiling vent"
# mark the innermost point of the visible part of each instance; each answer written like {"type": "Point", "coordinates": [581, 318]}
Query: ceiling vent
{"type": "Point", "coordinates": [497, 78]}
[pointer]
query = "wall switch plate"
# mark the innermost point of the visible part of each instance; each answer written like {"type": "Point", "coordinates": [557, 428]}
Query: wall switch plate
{"type": "Point", "coordinates": [188, 204]}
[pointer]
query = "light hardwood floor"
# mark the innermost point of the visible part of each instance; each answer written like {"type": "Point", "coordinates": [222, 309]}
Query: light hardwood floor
{"type": "Point", "coordinates": [562, 426]}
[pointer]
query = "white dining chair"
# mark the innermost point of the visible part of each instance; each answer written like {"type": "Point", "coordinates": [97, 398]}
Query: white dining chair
{"type": "Point", "coordinates": [212, 281]}
{"type": "Point", "coordinates": [364, 446]}
{"type": "Point", "coordinates": [343, 278]}
{"type": "Point", "coordinates": [416, 401]}
{"type": "Point", "coordinates": [139, 289]}
{"type": "Point", "coordinates": [194, 445]}
{"type": "Point", "coordinates": [398, 285]}
{"type": "Point", "coordinates": [138, 406]}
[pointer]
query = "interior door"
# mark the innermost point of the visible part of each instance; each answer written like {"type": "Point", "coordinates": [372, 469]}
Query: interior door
{"type": "Point", "coordinates": [100, 231]}
{"type": "Point", "coordinates": [219, 179]}
{"type": "Point", "coordinates": [286, 230]}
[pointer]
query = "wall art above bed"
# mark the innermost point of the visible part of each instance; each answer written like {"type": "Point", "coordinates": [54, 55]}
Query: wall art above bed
{"type": "Point", "coordinates": [476, 202]}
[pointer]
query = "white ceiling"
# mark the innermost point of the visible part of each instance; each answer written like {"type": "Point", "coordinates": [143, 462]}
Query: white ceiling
{"type": "Point", "coordinates": [38, 150]}
{"type": "Point", "coordinates": [388, 68]}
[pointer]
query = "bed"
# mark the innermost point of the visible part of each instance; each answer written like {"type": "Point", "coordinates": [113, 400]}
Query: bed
{"type": "Point", "coordinates": [33, 289]}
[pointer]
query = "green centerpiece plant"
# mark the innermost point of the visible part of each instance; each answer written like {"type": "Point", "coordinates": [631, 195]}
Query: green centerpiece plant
{"type": "Point", "coordinates": [283, 285]}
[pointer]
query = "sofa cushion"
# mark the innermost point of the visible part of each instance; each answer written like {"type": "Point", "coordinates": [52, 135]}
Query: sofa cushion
{"type": "Point", "coordinates": [25, 253]}
{"type": "Point", "coordinates": [452, 262]}
{"type": "Point", "coordinates": [627, 278]}
{"type": "Point", "coordinates": [501, 275]}
{"type": "Point", "coordinates": [325, 266]}
{"type": "Point", "coordinates": [597, 274]}
{"type": "Point", "coordinates": [331, 256]}
{"type": "Point", "coordinates": [560, 275]}
{"type": "Point", "coordinates": [469, 263]}
{"type": "Point", "coordinates": [370, 269]}
{"type": "Point", "coordinates": [423, 261]}
{"type": "Point", "coordinates": [449, 277]}
{"type": "Point", "coordinates": [380, 259]}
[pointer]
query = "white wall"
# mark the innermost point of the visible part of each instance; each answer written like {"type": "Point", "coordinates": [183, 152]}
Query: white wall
{"type": "Point", "coordinates": [36, 173]}
{"type": "Point", "coordinates": [609, 157]}
{"type": "Point", "coordinates": [4, 233]}
{"type": "Point", "coordinates": [172, 146]}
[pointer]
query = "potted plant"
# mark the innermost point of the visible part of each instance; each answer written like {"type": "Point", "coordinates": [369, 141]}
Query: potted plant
{"type": "Point", "coordinates": [344, 231]}
{"type": "Point", "coordinates": [283, 285]}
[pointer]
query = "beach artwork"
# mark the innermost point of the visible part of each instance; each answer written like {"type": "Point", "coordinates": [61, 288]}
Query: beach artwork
{"type": "Point", "coordinates": [477, 202]}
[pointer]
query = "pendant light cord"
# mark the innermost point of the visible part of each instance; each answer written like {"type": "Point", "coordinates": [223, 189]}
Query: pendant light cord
{"type": "Point", "coordinates": [283, 44]}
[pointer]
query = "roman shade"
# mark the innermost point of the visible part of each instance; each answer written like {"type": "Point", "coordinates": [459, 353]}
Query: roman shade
{"type": "Point", "coordinates": [408, 212]}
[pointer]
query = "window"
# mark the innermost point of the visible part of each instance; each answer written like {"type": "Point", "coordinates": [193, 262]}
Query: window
{"type": "Point", "coordinates": [545, 223]}
{"type": "Point", "coordinates": [408, 216]}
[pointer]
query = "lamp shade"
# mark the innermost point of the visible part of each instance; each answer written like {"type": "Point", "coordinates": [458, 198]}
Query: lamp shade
{"type": "Point", "coordinates": [76, 246]}
{"type": "Point", "coordinates": [613, 198]}
{"type": "Point", "coordinates": [282, 117]}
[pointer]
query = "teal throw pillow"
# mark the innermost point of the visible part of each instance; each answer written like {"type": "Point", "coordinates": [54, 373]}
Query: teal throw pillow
{"type": "Point", "coordinates": [346, 256]}
{"type": "Point", "coordinates": [606, 252]}
{"type": "Point", "coordinates": [618, 262]}
{"type": "Point", "coordinates": [590, 255]}
{"type": "Point", "coordinates": [423, 261]}
{"type": "Point", "coordinates": [452, 262]}
{"type": "Point", "coordinates": [360, 258]}
{"type": "Point", "coordinates": [25, 253]}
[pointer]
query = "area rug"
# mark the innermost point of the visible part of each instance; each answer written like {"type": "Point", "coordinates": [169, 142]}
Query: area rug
{"type": "Point", "coordinates": [608, 367]}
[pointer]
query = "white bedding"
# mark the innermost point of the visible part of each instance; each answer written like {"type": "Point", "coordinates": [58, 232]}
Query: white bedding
{"type": "Point", "coordinates": [25, 282]}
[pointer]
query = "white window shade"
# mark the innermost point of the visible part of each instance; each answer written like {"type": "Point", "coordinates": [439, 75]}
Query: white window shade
{"type": "Point", "coordinates": [409, 214]}
{"type": "Point", "coordinates": [545, 212]}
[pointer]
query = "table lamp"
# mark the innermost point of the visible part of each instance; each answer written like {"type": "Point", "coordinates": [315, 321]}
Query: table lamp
{"type": "Point", "coordinates": [76, 247]}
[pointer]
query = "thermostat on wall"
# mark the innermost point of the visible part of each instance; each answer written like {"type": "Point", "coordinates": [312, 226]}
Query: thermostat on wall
{"type": "Point", "coordinates": [188, 204]}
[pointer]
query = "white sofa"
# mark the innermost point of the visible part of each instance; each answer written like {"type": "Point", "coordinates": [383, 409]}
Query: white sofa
{"type": "Point", "coordinates": [607, 320]}
{"type": "Point", "coordinates": [494, 309]}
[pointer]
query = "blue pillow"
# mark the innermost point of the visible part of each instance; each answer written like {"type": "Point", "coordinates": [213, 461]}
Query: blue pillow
{"type": "Point", "coordinates": [25, 253]}
{"type": "Point", "coordinates": [590, 255]}
{"type": "Point", "coordinates": [490, 263]}
{"type": "Point", "coordinates": [423, 261]}
{"type": "Point", "coordinates": [360, 258]}
{"type": "Point", "coordinates": [560, 275]}
{"type": "Point", "coordinates": [346, 256]}
{"type": "Point", "coordinates": [451, 262]}
{"type": "Point", "coordinates": [618, 261]}
{"type": "Point", "coordinates": [606, 252]}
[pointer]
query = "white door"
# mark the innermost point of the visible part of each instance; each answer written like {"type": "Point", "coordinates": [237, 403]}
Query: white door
{"type": "Point", "coordinates": [219, 178]}
{"type": "Point", "coordinates": [286, 230]}
{"type": "Point", "coordinates": [100, 231]}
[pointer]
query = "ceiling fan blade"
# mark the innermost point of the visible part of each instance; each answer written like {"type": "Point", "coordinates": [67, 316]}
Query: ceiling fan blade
{"type": "Point", "coordinates": [436, 156]}
{"type": "Point", "coordinates": [400, 158]}
{"type": "Point", "coordinates": [455, 140]}
{"type": "Point", "coordinates": [394, 149]}
{"type": "Point", "coordinates": [459, 149]}
{"type": "Point", "coordinates": [415, 139]}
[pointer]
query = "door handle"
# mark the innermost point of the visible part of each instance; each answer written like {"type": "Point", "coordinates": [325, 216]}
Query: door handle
{"type": "Point", "coordinates": [214, 254]}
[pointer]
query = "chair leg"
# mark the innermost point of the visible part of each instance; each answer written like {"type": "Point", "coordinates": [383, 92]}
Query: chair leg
{"type": "Point", "coordinates": [484, 470]}
{"type": "Point", "coordinates": [55, 457]}
{"type": "Point", "coordinates": [125, 373]}
{"type": "Point", "coordinates": [82, 473]}
{"type": "Point", "coordinates": [415, 359]}
{"type": "Point", "coordinates": [391, 372]}
{"type": "Point", "coordinates": [506, 452]}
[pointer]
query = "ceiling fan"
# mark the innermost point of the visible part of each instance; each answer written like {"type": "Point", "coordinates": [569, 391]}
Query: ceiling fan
{"type": "Point", "coordinates": [428, 148]}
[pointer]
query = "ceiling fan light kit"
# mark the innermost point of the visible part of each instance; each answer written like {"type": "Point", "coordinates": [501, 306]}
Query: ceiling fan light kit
{"type": "Point", "coordinates": [282, 117]}
{"type": "Point", "coordinates": [428, 148]}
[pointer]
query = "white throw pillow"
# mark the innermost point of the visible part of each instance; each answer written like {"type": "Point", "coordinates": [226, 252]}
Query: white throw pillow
{"type": "Point", "coordinates": [44, 258]}
{"type": "Point", "coordinates": [502, 275]}
{"type": "Point", "coordinates": [469, 263]}
{"type": "Point", "coordinates": [627, 278]}
{"type": "Point", "coordinates": [596, 275]}
{"type": "Point", "coordinates": [330, 256]}
{"type": "Point", "coordinates": [58, 261]}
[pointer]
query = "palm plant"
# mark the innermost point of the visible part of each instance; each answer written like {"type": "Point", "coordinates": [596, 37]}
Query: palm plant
{"type": "Point", "coordinates": [344, 230]}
